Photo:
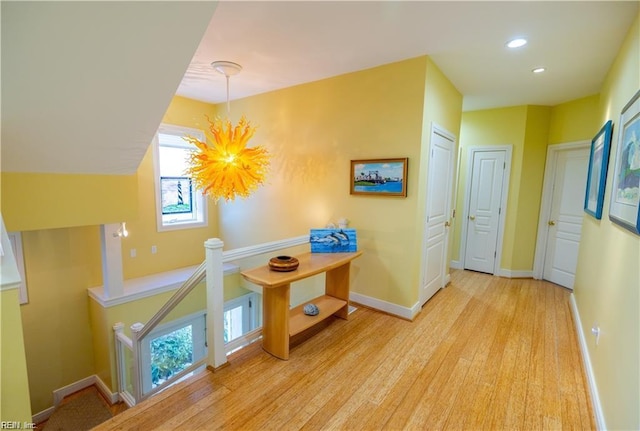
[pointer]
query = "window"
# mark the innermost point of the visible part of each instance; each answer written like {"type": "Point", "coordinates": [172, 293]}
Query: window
{"type": "Point", "coordinates": [240, 316]}
{"type": "Point", "coordinates": [16, 246]}
{"type": "Point", "coordinates": [171, 348]}
{"type": "Point", "coordinates": [178, 204]}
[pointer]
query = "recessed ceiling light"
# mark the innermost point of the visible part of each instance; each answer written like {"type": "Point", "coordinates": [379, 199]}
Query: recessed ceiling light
{"type": "Point", "coordinates": [538, 70]}
{"type": "Point", "coordinates": [516, 43]}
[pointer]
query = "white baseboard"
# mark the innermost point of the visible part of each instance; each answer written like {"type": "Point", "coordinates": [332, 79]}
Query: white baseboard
{"type": "Point", "coordinates": [106, 391]}
{"type": "Point", "coordinates": [456, 264]}
{"type": "Point", "coordinates": [514, 274]}
{"type": "Point", "coordinates": [42, 416]}
{"type": "Point", "coordinates": [591, 380]}
{"type": "Point", "coordinates": [447, 279]}
{"type": "Point", "coordinates": [387, 307]}
{"type": "Point", "coordinates": [61, 393]}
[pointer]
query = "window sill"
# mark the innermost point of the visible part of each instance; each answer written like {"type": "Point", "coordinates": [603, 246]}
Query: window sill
{"type": "Point", "coordinates": [143, 287]}
{"type": "Point", "coordinates": [181, 225]}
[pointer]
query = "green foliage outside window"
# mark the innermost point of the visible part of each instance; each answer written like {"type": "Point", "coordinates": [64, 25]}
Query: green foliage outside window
{"type": "Point", "coordinates": [170, 354]}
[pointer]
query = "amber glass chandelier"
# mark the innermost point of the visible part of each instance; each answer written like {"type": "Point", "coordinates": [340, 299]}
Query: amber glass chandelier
{"type": "Point", "coordinates": [228, 168]}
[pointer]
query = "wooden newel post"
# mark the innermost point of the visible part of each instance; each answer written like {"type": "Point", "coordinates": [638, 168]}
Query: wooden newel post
{"type": "Point", "coordinates": [215, 304]}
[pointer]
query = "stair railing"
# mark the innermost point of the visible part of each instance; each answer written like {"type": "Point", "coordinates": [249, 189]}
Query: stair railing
{"type": "Point", "coordinates": [128, 357]}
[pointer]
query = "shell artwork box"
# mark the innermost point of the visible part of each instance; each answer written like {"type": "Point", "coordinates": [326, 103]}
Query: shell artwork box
{"type": "Point", "coordinates": [336, 240]}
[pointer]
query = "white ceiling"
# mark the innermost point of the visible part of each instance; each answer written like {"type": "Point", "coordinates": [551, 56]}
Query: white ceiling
{"type": "Point", "coordinates": [85, 84]}
{"type": "Point", "coordinates": [280, 44]}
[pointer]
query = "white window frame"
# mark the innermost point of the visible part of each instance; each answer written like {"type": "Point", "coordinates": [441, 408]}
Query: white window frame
{"type": "Point", "coordinates": [15, 238]}
{"type": "Point", "coordinates": [199, 201]}
{"type": "Point", "coordinates": [249, 303]}
{"type": "Point", "coordinates": [198, 337]}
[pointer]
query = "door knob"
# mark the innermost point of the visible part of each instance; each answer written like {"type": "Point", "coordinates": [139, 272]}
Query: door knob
{"type": "Point", "coordinates": [472, 217]}
{"type": "Point", "coordinates": [447, 224]}
{"type": "Point", "coordinates": [552, 223]}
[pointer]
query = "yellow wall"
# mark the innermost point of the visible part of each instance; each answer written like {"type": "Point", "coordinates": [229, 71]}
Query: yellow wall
{"type": "Point", "coordinates": [313, 131]}
{"type": "Point", "coordinates": [47, 201]}
{"type": "Point", "coordinates": [442, 106]}
{"type": "Point", "coordinates": [607, 285]}
{"type": "Point", "coordinates": [531, 169]}
{"type": "Point", "coordinates": [60, 264]}
{"type": "Point", "coordinates": [502, 126]}
{"type": "Point", "coordinates": [143, 229]}
{"type": "Point", "coordinates": [14, 387]}
{"type": "Point", "coordinates": [573, 121]}
{"type": "Point", "coordinates": [529, 129]}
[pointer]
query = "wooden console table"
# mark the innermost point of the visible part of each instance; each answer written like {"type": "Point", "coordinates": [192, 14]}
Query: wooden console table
{"type": "Point", "coordinates": [280, 323]}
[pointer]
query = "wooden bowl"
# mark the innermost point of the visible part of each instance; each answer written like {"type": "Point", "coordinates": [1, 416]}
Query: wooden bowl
{"type": "Point", "coordinates": [283, 263]}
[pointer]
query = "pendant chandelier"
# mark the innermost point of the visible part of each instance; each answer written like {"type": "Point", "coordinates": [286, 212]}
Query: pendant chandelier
{"type": "Point", "coordinates": [228, 168]}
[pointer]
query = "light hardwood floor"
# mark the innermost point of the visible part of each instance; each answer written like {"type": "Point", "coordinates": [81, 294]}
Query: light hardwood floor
{"type": "Point", "coordinates": [485, 353]}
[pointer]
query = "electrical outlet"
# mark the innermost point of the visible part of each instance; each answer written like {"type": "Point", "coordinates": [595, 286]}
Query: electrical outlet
{"type": "Point", "coordinates": [133, 252]}
{"type": "Point", "coordinates": [154, 249]}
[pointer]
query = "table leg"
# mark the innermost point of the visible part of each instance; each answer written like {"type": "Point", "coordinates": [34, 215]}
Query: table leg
{"type": "Point", "coordinates": [337, 285]}
{"type": "Point", "coordinates": [275, 325]}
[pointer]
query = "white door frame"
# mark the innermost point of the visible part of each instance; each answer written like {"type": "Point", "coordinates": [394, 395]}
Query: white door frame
{"type": "Point", "coordinates": [437, 129]}
{"type": "Point", "coordinates": [508, 149]}
{"type": "Point", "coordinates": [545, 205]}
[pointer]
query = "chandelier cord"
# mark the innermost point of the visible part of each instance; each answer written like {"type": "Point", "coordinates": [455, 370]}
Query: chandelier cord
{"type": "Point", "coordinates": [228, 101]}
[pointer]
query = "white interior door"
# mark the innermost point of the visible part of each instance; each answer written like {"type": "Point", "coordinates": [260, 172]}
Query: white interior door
{"type": "Point", "coordinates": [439, 188]}
{"type": "Point", "coordinates": [484, 210]}
{"type": "Point", "coordinates": [565, 219]}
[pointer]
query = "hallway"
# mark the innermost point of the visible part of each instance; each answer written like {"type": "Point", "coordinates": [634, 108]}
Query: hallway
{"type": "Point", "coordinates": [484, 353]}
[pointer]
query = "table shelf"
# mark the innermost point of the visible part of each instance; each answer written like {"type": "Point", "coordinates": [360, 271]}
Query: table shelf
{"type": "Point", "coordinates": [279, 322]}
{"type": "Point", "coordinates": [298, 321]}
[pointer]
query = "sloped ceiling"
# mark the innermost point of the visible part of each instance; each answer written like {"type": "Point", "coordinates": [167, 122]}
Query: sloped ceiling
{"type": "Point", "coordinates": [85, 84]}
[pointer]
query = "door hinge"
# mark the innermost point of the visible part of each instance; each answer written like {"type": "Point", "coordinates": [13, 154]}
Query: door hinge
{"type": "Point", "coordinates": [495, 254]}
{"type": "Point", "coordinates": [499, 211]}
{"type": "Point", "coordinates": [249, 303]}
{"type": "Point", "coordinates": [504, 165]}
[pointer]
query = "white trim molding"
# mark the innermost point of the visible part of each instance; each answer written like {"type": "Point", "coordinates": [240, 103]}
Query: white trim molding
{"type": "Point", "coordinates": [15, 238]}
{"type": "Point", "coordinates": [508, 273]}
{"type": "Point", "coordinates": [142, 287]}
{"type": "Point", "coordinates": [545, 205]}
{"type": "Point", "coordinates": [138, 288]}
{"type": "Point", "coordinates": [384, 306]}
{"type": "Point", "coordinates": [61, 393]}
{"type": "Point", "coordinates": [200, 202]}
{"type": "Point", "coordinates": [591, 378]}
{"type": "Point", "coordinates": [508, 149]}
{"type": "Point", "coordinates": [267, 247]}
{"type": "Point", "coordinates": [455, 264]}
{"type": "Point", "coordinates": [43, 415]}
